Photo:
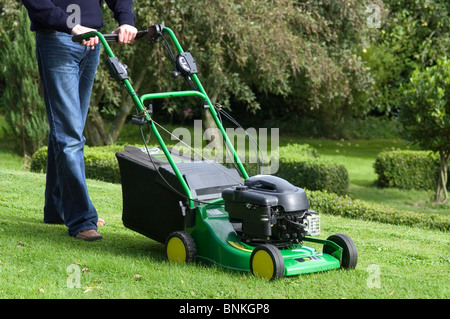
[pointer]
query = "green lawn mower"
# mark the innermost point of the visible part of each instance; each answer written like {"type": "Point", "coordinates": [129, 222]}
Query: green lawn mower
{"type": "Point", "coordinates": [206, 212]}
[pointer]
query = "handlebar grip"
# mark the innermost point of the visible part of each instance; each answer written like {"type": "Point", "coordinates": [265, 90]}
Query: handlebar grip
{"type": "Point", "coordinates": [141, 34]}
{"type": "Point", "coordinates": [109, 37]}
{"type": "Point", "coordinates": [113, 37]}
{"type": "Point", "coordinates": [77, 38]}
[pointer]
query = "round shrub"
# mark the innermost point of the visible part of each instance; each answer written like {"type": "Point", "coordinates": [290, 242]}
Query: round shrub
{"type": "Point", "coordinates": [100, 162]}
{"type": "Point", "coordinates": [407, 169]}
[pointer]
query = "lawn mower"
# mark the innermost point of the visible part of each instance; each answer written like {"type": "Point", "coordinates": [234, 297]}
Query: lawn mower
{"type": "Point", "coordinates": [209, 213]}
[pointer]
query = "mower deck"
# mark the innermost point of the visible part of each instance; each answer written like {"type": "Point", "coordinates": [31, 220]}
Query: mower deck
{"type": "Point", "coordinates": [217, 243]}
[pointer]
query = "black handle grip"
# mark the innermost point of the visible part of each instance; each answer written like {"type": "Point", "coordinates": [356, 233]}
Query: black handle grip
{"type": "Point", "coordinates": [78, 38]}
{"type": "Point", "coordinates": [113, 37]}
{"type": "Point", "coordinates": [109, 37]}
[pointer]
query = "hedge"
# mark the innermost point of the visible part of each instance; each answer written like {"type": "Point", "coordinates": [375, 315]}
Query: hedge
{"type": "Point", "coordinates": [407, 169]}
{"type": "Point", "coordinates": [301, 166]}
{"type": "Point", "coordinates": [100, 162]}
{"type": "Point", "coordinates": [329, 203]}
{"type": "Point", "coordinates": [299, 163]}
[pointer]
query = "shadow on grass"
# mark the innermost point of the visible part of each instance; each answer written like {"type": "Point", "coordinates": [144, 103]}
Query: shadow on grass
{"type": "Point", "coordinates": [117, 240]}
{"type": "Point", "coordinates": [119, 244]}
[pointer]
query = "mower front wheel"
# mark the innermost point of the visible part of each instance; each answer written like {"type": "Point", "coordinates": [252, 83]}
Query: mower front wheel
{"type": "Point", "coordinates": [180, 247]}
{"type": "Point", "coordinates": [267, 262]}
{"type": "Point", "coordinates": [349, 253]}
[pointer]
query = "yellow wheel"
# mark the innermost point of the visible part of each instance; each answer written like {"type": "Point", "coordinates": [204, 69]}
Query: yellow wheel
{"type": "Point", "coordinates": [180, 247]}
{"type": "Point", "coordinates": [267, 262]}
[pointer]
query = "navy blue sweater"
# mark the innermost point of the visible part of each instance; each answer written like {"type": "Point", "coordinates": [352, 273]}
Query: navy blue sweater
{"type": "Point", "coordinates": [57, 15]}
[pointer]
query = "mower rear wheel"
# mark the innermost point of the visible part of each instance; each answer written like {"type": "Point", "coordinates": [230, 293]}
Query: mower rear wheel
{"type": "Point", "coordinates": [267, 262]}
{"type": "Point", "coordinates": [349, 253]}
{"type": "Point", "coordinates": [180, 247]}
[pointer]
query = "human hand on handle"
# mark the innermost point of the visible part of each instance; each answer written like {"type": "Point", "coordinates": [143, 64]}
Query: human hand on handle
{"type": "Point", "coordinates": [91, 42]}
{"type": "Point", "coordinates": [126, 33]}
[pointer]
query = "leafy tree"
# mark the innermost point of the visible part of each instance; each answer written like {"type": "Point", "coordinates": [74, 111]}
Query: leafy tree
{"type": "Point", "coordinates": [425, 115]}
{"type": "Point", "coordinates": [276, 59]}
{"type": "Point", "coordinates": [413, 34]}
{"type": "Point", "coordinates": [21, 101]}
{"type": "Point", "coordinates": [334, 82]}
{"type": "Point", "coordinates": [303, 52]}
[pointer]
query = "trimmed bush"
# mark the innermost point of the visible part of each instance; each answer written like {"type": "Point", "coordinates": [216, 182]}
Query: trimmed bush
{"type": "Point", "coordinates": [39, 160]}
{"type": "Point", "coordinates": [100, 162]}
{"type": "Point", "coordinates": [329, 203]}
{"type": "Point", "coordinates": [407, 169]}
{"type": "Point", "coordinates": [301, 166]}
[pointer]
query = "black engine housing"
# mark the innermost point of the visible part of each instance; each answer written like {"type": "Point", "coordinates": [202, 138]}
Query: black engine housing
{"type": "Point", "coordinates": [268, 209]}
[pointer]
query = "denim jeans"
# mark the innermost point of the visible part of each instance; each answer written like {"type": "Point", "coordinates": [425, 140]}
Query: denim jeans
{"type": "Point", "coordinates": [67, 72]}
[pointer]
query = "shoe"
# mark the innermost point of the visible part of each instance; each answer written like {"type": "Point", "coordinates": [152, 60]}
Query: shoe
{"type": "Point", "coordinates": [101, 222]}
{"type": "Point", "coordinates": [89, 235]}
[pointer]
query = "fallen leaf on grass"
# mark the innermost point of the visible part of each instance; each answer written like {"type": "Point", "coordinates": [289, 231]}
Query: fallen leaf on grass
{"type": "Point", "coordinates": [90, 288]}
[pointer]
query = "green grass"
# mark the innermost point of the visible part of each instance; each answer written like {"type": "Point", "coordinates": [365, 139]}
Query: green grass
{"type": "Point", "coordinates": [35, 257]}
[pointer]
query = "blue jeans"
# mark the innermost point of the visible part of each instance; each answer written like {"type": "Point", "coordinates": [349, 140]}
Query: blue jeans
{"type": "Point", "coordinates": [67, 72]}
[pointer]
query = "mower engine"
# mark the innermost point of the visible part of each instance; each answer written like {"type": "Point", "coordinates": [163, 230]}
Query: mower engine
{"type": "Point", "coordinates": [268, 209]}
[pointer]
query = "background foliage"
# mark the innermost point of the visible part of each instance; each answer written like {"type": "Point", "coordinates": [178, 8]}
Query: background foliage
{"type": "Point", "coordinates": [425, 115]}
{"type": "Point", "coordinates": [314, 67]}
{"type": "Point", "coordinates": [21, 99]}
{"type": "Point", "coordinates": [250, 56]}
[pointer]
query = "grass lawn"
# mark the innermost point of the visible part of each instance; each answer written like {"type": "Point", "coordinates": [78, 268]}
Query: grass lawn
{"type": "Point", "coordinates": [37, 260]}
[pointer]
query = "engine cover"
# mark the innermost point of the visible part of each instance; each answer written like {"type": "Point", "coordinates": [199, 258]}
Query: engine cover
{"type": "Point", "coordinates": [269, 209]}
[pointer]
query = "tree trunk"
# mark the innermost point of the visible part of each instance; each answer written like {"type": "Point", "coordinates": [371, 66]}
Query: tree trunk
{"type": "Point", "coordinates": [92, 136]}
{"type": "Point", "coordinates": [118, 122]}
{"type": "Point", "coordinates": [443, 177]}
{"type": "Point", "coordinates": [95, 128]}
{"type": "Point", "coordinates": [213, 136]}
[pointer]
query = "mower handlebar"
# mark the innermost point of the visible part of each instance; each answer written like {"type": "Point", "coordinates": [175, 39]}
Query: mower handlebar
{"type": "Point", "coordinates": [109, 37]}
